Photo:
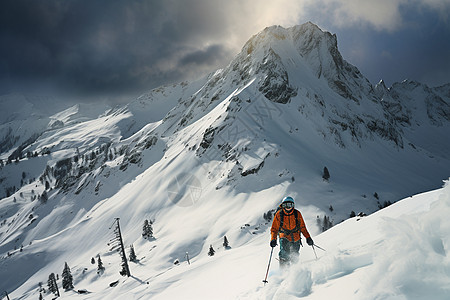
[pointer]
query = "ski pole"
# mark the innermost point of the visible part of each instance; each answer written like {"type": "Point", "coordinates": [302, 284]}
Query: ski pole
{"type": "Point", "coordinates": [314, 251]}
{"type": "Point", "coordinates": [267, 273]}
{"type": "Point", "coordinates": [320, 248]}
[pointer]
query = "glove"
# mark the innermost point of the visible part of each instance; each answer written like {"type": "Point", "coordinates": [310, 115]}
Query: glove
{"type": "Point", "coordinates": [309, 241]}
{"type": "Point", "coordinates": [273, 243]}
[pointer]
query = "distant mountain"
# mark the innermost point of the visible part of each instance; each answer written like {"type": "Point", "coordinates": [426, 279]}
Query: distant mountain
{"type": "Point", "coordinates": [228, 146]}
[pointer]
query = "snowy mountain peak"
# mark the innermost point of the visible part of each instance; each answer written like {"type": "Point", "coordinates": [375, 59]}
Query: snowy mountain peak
{"type": "Point", "coordinates": [381, 84]}
{"type": "Point", "coordinates": [278, 51]}
{"type": "Point", "coordinates": [309, 37]}
{"type": "Point", "coordinates": [380, 89]}
{"type": "Point", "coordinates": [306, 37]}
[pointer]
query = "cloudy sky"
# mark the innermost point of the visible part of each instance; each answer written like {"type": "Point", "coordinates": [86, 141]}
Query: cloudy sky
{"type": "Point", "coordinates": [116, 50]}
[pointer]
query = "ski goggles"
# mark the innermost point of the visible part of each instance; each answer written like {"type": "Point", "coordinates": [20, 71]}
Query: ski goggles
{"type": "Point", "coordinates": [287, 205]}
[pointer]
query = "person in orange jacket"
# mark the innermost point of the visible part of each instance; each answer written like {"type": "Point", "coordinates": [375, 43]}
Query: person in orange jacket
{"type": "Point", "coordinates": [288, 223]}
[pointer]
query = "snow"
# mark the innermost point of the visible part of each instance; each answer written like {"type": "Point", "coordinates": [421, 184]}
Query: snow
{"type": "Point", "coordinates": [400, 252]}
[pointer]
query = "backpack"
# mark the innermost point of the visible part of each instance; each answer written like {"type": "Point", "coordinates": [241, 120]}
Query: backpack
{"type": "Point", "coordinates": [297, 222]}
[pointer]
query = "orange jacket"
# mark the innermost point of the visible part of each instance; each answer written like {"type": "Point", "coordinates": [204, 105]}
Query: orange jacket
{"type": "Point", "coordinates": [288, 224]}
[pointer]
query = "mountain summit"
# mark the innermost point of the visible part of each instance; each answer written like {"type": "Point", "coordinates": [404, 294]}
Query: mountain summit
{"type": "Point", "coordinates": [210, 158]}
{"type": "Point", "coordinates": [306, 49]}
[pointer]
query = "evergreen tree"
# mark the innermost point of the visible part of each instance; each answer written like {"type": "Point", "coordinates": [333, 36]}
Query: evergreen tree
{"type": "Point", "coordinates": [211, 251]}
{"type": "Point", "coordinates": [44, 197]}
{"type": "Point", "coordinates": [67, 279]}
{"type": "Point", "coordinates": [226, 245]}
{"type": "Point", "coordinates": [326, 174]}
{"type": "Point", "coordinates": [147, 230]}
{"type": "Point", "coordinates": [118, 241]}
{"type": "Point", "coordinates": [100, 267]}
{"type": "Point", "coordinates": [327, 224]}
{"type": "Point", "coordinates": [133, 257]}
{"type": "Point", "coordinates": [51, 283]}
{"type": "Point", "coordinates": [268, 215]}
{"type": "Point", "coordinates": [324, 223]}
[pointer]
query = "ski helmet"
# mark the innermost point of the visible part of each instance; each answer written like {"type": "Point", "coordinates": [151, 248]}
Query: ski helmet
{"type": "Point", "coordinates": [288, 199]}
{"type": "Point", "coordinates": [288, 203]}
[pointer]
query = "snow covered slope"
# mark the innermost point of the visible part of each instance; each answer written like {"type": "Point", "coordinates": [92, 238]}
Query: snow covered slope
{"type": "Point", "coordinates": [400, 252]}
{"type": "Point", "coordinates": [209, 159]}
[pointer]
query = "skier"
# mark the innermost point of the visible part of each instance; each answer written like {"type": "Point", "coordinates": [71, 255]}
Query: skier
{"type": "Point", "coordinates": [288, 223]}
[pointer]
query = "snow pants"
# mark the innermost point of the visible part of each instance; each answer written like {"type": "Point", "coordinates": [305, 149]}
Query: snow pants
{"type": "Point", "coordinates": [289, 251]}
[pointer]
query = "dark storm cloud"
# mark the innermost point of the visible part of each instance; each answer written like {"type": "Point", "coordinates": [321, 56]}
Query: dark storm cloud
{"type": "Point", "coordinates": [98, 47]}
{"type": "Point", "coordinates": [398, 56]}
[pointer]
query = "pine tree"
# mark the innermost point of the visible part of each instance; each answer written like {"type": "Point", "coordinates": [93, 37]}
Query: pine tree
{"type": "Point", "coordinates": [326, 174]}
{"type": "Point", "coordinates": [147, 230]}
{"type": "Point", "coordinates": [67, 279]}
{"type": "Point", "coordinates": [268, 215]}
{"type": "Point", "coordinates": [211, 251]}
{"type": "Point", "coordinates": [226, 245]}
{"type": "Point", "coordinates": [118, 245]}
{"type": "Point", "coordinates": [51, 283]}
{"type": "Point", "coordinates": [100, 267]}
{"type": "Point", "coordinates": [44, 197]}
{"type": "Point", "coordinates": [133, 257]}
{"type": "Point", "coordinates": [327, 224]}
